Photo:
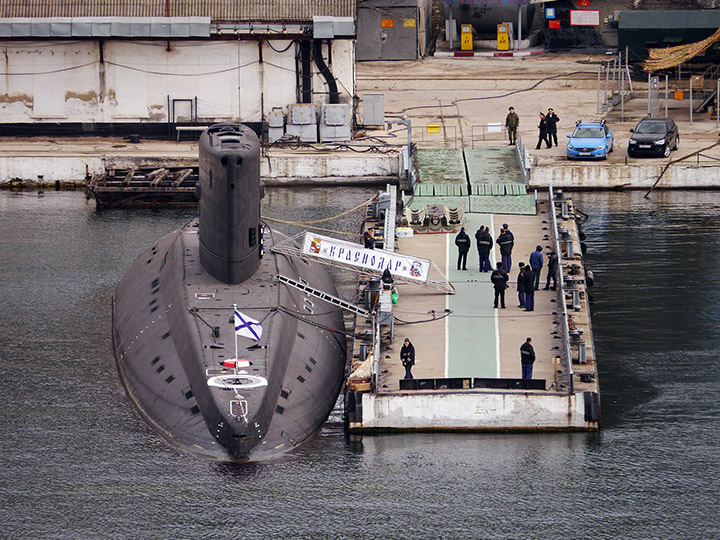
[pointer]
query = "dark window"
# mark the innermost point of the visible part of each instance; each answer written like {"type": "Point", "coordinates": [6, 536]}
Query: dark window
{"type": "Point", "coordinates": [284, 394]}
{"type": "Point", "coordinates": [195, 409]}
{"type": "Point", "coordinates": [188, 393]}
{"type": "Point", "coordinates": [160, 368]}
{"type": "Point", "coordinates": [170, 379]}
{"type": "Point", "coordinates": [308, 369]}
{"type": "Point", "coordinates": [165, 335]}
{"type": "Point", "coordinates": [155, 360]}
{"type": "Point", "coordinates": [252, 236]}
{"type": "Point", "coordinates": [313, 361]}
{"type": "Point", "coordinates": [301, 378]}
{"type": "Point", "coordinates": [279, 409]}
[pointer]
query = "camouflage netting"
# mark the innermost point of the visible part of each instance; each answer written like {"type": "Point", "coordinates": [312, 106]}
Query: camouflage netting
{"type": "Point", "coordinates": [670, 57]}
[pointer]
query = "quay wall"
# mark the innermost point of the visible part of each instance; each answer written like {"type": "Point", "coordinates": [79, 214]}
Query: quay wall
{"type": "Point", "coordinates": [476, 411]}
{"type": "Point", "coordinates": [613, 176]}
{"type": "Point", "coordinates": [331, 166]}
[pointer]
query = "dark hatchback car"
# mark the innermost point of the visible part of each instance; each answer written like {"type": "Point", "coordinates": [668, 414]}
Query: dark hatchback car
{"type": "Point", "coordinates": [655, 136]}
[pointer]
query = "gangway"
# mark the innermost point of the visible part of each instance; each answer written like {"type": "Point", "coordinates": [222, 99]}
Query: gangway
{"type": "Point", "coordinates": [290, 247]}
{"type": "Point", "coordinates": [329, 298]}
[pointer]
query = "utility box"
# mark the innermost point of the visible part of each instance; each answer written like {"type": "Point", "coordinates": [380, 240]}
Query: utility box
{"type": "Point", "coordinates": [374, 110]}
{"type": "Point", "coordinates": [276, 125]}
{"type": "Point", "coordinates": [503, 37]}
{"type": "Point", "coordinates": [466, 37]}
{"type": "Point", "coordinates": [302, 122]}
{"type": "Point", "coordinates": [335, 121]}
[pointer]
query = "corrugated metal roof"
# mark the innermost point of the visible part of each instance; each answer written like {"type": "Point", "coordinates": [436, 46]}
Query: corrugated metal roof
{"type": "Point", "coordinates": [217, 10]}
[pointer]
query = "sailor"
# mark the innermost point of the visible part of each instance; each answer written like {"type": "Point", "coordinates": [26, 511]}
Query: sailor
{"type": "Point", "coordinates": [484, 242]}
{"type": "Point", "coordinates": [387, 279]}
{"type": "Point", "coordinates": [462, 241]}
{"type": "Point", "coordinates": [552, 120]}
{"type": "Point", "coordinates": [536, 263]}
{"type": "Point", "coordinates": [506, 242]}
{"type": "Point", "coordinates": [527, 358]}
{"type": "Point", "coordinates": [529, 281]}
{"type": "Point", "coordinates": [552, 270]}
{"type": "Point", "coordinates": [521, 285]}
{"type": "Point", "coordinates": [368, 240]}
{"type": "Point", "coordinates": [499, 279]}
{"type": "Point", "coordinates": [407, 356]}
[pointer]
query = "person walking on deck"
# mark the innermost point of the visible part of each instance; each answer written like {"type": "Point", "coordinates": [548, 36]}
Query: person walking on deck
{"type": "Point", "coordinates": [484, 243]}
{"type": "Point", "coordinates": [463, 242]}
{"type": "Point", "coordinates": [521, 286]}
{"type": "Point", "coordinates": [499, 279]}
{"type": "Point", "coordinates": [407, 357]}
{"type": "Point", "coordinates": [512, 122]}
{"type": "Point", "coordinates": [536, 263]}
{"type": "Point", "coordinates": [506, 242]}
{"type": "Point", "coordinates": [527, 358]}
{"type": "Point", "coordinates": [529, 282]}
{"type": "Point", "coordinates": [552, 270]}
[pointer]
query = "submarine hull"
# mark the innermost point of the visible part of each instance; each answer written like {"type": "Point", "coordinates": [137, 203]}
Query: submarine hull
{"type": "Point", "coordinates": [174, 336]}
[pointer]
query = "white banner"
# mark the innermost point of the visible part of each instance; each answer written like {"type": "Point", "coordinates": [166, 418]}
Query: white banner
{"type": "Point", "coordinates": [404, 266]}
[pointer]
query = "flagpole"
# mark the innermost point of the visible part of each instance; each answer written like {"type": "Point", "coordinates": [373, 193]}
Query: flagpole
{"type": "Point", "coordinates": [234, 332]}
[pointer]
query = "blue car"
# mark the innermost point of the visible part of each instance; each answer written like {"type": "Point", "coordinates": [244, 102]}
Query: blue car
{"type": "Point", "coordinates": [590, 140]}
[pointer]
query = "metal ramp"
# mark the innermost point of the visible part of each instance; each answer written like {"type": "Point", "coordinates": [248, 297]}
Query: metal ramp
{"type": "Point", "coordinates": [327, 297]}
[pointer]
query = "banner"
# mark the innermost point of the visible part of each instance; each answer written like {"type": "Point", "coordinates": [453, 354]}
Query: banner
{"type": "Point", "coordinates": [405, 266]}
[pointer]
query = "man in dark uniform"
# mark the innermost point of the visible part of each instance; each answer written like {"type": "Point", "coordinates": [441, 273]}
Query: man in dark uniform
{"type": "Point", "coordinates": [536, 263]}
{"type": "Point", "coordinates": [529, 281]}
{"type": "Point", "coordinates": [512, 122]}
{"type": "Point", "coordinates": [552, 120]}
{"type": "Point", "coordinates": [521, 285]}
{"type": "Point", "coordinates": [543, 133]}
{"type": "Point", "coordinates": [527, 358]}
{"type": "Point", "coordinates": [506, 242]}
{"type": "Point", "coordinates": [462, 241]}
{"type": "Point", "coordinates": [407, 356]}
{"type": "Point", "coordinates": [484, 243]}
{"type": "Point", "coordinates": [552, 270]}
{"type": "Point", "coordinates": [499, 279]}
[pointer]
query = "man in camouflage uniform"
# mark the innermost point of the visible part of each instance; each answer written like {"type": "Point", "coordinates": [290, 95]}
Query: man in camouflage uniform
{"type": "Point", "coordinates": [512, 121]}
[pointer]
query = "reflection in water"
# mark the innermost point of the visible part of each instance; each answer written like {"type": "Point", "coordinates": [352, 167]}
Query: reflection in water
{"type": "Point", "coordinates": [78, 462]}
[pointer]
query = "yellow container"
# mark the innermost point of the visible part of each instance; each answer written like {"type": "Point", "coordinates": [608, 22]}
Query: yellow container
{"type": "Point", "coordinates": [678, 94]}
{"type": "Point", "coordinates": [466, 37]}
{"type": "Point", "coordinates": [503, 37]}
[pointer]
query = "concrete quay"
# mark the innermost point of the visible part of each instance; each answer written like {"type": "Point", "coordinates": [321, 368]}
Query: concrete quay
{"type": "Point", "coordinates": [461, 337]}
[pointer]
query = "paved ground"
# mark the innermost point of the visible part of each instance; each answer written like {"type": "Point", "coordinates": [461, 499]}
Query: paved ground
{"type": "Point", "coordinates": [463, 94]}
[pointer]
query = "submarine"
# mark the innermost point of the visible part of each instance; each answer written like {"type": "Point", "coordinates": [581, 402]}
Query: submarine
{"type": "Point", "coordinates": [218, 355]}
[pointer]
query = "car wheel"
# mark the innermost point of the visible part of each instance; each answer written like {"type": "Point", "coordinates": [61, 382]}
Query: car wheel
{"type": "Point", "coordinates": [677, 143]}
{"type": "Point", "coordinates": [666, 150]}
{"type": "Point", "coordinates": [631, 153]}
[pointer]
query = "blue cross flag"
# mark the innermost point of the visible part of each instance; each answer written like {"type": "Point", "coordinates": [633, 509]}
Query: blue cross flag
{"type": "Point", "coordinates": [247, 327]}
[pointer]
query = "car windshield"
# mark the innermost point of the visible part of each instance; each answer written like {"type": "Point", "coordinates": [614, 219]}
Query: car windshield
{"type": "Point", "coordinates": [653, 128]}
{"type": "Point", "coordinates": [588, 133]}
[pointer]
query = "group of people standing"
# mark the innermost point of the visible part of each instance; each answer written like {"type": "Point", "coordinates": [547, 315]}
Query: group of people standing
{"type": "Point", "coordinates": [528, 280]}
{"type": "Point", "coordinates": [547, 127]}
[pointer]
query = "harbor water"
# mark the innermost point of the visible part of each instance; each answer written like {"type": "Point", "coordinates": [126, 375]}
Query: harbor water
{"type": "Point", "coordinates": [78, 462]}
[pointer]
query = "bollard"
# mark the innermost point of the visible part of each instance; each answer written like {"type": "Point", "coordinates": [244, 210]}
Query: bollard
{"type": "Point", "coordinates": [582, 358]}
{"type": "Point", "coordinates": [570, 250]}
{"type": "Point", "coordinates": [565, 210]}
{"type": "Point", "coordinates": [576, 299]}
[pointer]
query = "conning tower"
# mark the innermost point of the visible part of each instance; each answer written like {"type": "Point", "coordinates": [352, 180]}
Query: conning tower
{"type": "Point", "coordinates": [230, 192]}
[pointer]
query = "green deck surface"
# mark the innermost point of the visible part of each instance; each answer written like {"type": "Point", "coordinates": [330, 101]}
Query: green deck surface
{"type": "Point", "coordinates": [495, 183]}
{"type": "Point", "coordinates": [471, 330]}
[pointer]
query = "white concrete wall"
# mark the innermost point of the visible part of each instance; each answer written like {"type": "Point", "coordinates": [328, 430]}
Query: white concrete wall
{"type": "Point", "coordinates": [603, 176]}
{"type": "Point", "coordinates": [473, 410]}
{"type": "Point", "coordinates": [65, 81]}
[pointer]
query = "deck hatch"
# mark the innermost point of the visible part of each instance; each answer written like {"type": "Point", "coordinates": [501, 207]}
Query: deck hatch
{"type": "Point", "coordinates": [205, 296]}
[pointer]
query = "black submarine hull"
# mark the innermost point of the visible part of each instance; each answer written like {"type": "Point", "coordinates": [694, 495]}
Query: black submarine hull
{"type": "Point", "coordinates": [174, 327]}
